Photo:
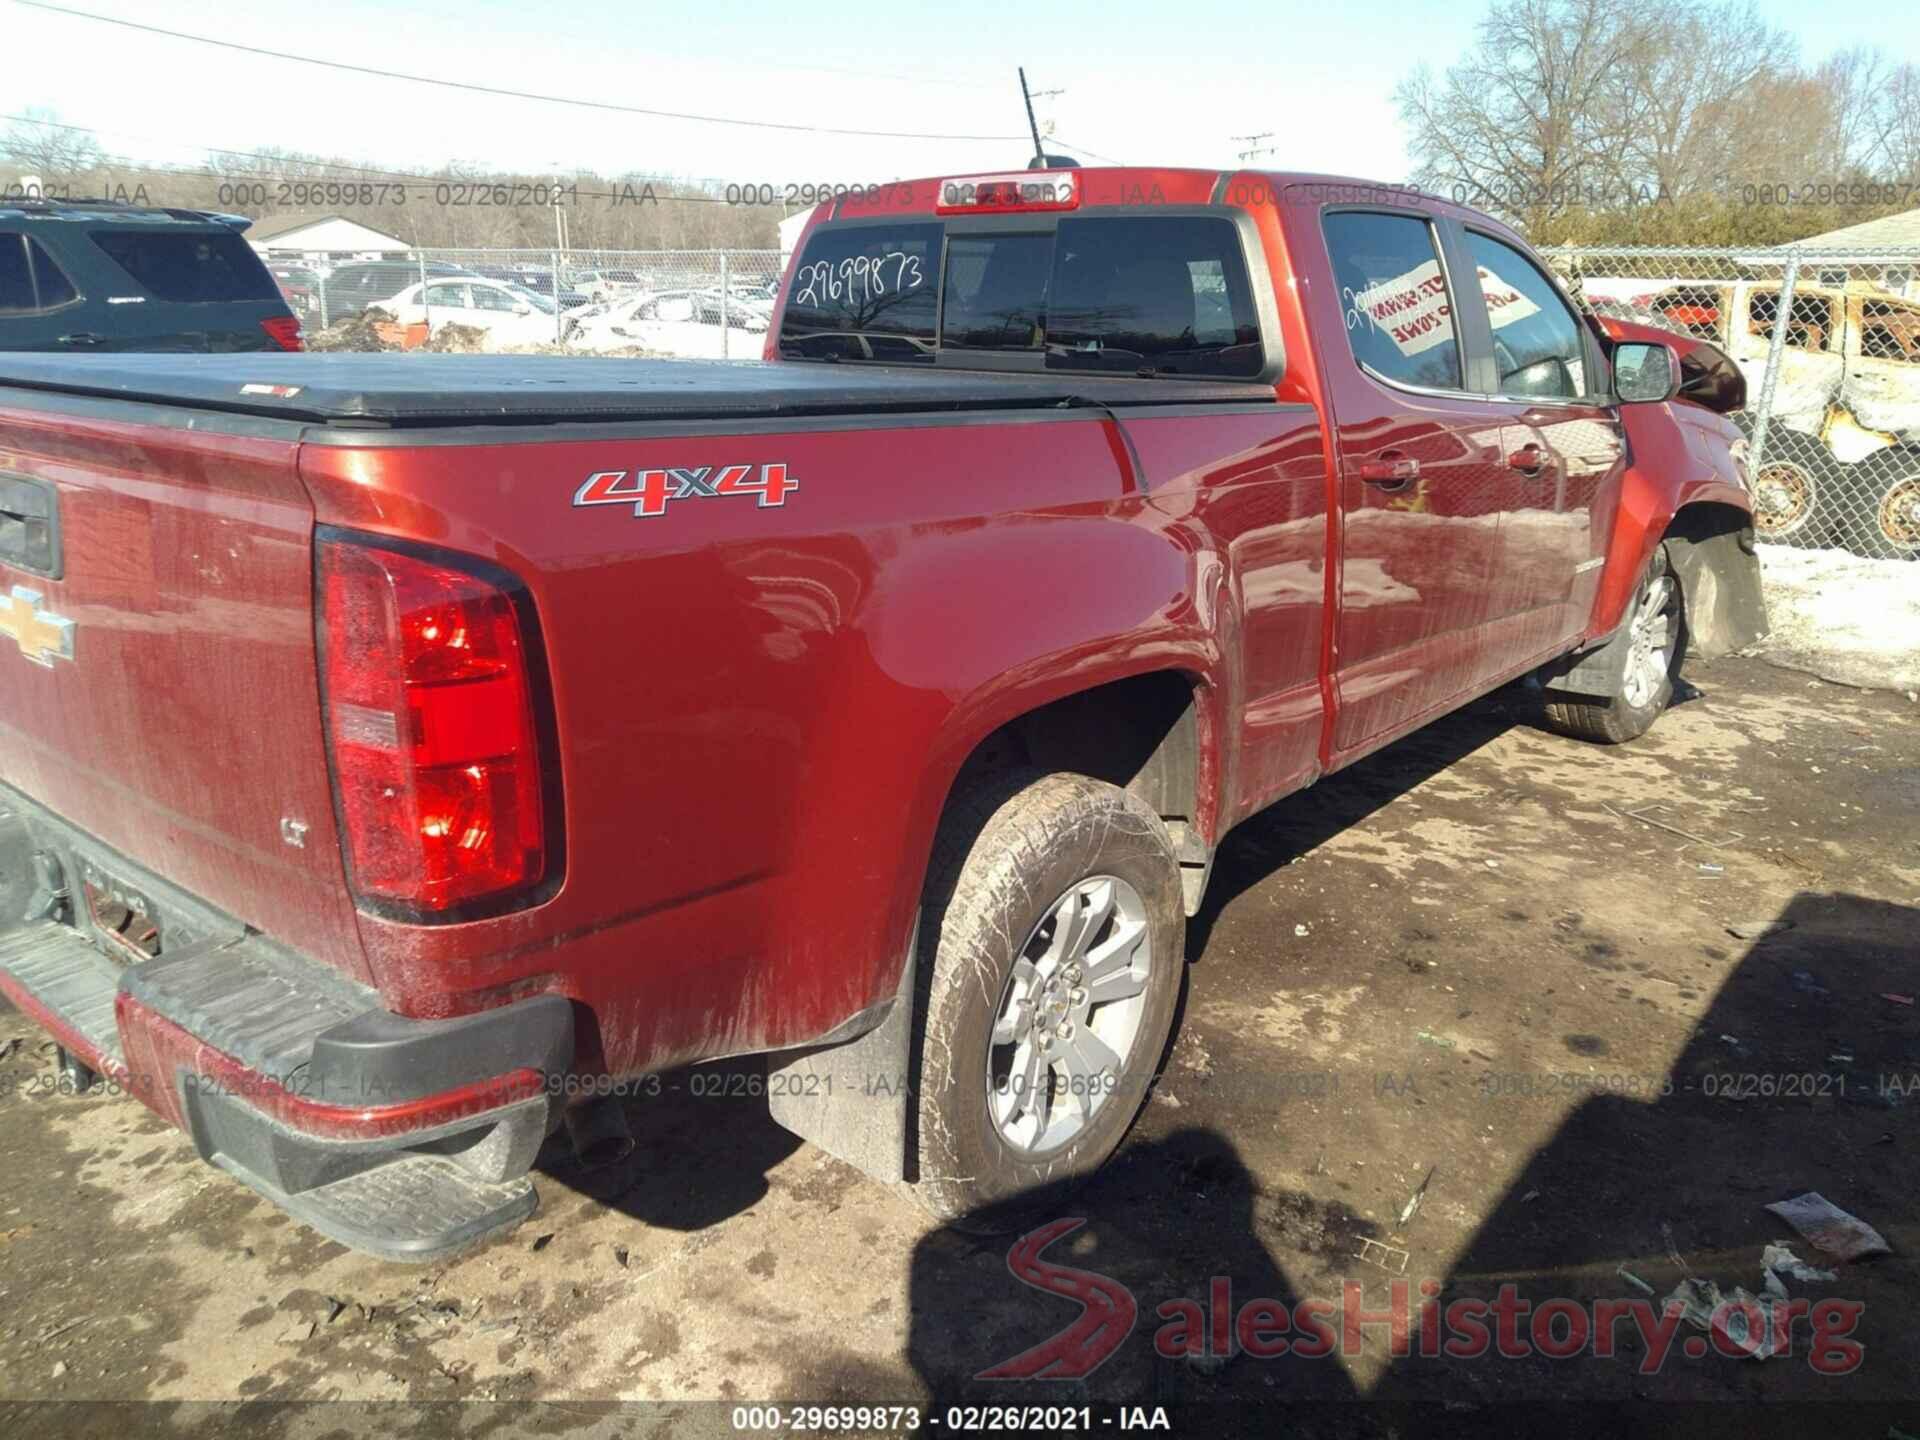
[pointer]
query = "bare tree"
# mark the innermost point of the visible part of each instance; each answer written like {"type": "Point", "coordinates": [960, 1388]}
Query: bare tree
{"type": "Point", "coordinates": [1569, 116]}
{"type": "Point", "coordinates": [40, 145]}
{"type": "Point", "coordinates": [1685, 103]}
{"type": "Point", "coordinates": [1887, 136]}
{"type": "Point", "coordinates": [1532, 114]}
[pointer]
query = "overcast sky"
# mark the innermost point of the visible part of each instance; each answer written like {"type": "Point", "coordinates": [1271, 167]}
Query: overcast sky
{"type": "Point", "coordinates": [1144, 82]}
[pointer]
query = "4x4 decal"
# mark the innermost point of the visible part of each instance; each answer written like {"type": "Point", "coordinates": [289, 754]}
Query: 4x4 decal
{"type": "Point", "coordinates": [648, 491]}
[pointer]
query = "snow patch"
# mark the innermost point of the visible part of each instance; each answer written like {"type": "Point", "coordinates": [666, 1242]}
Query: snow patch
{"type": "Point", "coordinates": [1843, 617]}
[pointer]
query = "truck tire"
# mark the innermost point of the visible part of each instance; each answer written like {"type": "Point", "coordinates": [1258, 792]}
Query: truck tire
{"type": "Point", "coordinates": [1051, 956]}
{"type": "Point", "coordinates": [1657, 641]}
{"type": "Point", "coordinates": [1794, 490]}
{"type": "Point", "coordinates": [1885, 519]}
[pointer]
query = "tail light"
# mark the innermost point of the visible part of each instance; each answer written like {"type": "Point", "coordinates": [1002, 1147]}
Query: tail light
{"type": "Point", "coordinates": [284, 331]}
{"type": "Point", "coordinates": [430, 720]}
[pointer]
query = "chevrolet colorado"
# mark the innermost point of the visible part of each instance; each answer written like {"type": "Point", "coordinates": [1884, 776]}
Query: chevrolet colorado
{"type": "Point", "coordinates": [403, 757]}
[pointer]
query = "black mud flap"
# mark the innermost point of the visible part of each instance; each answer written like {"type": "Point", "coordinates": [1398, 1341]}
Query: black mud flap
{"type": "Point", "coordinates": [1719, 575]}
{"type": "Point", "coordinates": [853, 1099]}
{"type": "Point", "coordinates": [1720, 582]}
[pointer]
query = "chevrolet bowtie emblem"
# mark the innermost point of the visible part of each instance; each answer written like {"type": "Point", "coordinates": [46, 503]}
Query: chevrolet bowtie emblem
{"type": "Point", "coordinates": [42, 637]}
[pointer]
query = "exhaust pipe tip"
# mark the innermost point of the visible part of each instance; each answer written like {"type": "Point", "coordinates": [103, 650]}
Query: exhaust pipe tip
{"type": "Point", "coordinates": [598, 1131]}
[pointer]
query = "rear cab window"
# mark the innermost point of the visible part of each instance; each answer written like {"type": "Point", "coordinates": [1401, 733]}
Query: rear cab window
{"type": "Point", "coordinates": [1154, 295]}
{"type": "Point", "coordinates": [188, 266]}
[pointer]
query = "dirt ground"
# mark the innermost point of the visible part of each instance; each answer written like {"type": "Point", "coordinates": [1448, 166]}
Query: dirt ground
{"type": "Point", "coordinates": [1486, 959]}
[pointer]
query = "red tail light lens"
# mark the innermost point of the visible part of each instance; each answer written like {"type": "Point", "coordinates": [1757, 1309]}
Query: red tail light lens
{"type": "Point", "coordinates": [430, 717]}
{"type": "Point", "coordinates": [284, 331]}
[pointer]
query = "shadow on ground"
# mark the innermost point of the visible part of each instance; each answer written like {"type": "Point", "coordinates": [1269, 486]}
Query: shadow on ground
{"type": "Point", "coordinates": [1662, 1184]}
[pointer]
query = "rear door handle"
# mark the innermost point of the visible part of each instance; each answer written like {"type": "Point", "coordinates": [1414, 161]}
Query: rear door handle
{"type": "Point", "coordinates": [83, 337]}
{"type": "Point", "coordinates": [1390, 470]}
{"type": "Point", "coordinates": [1528, 460]}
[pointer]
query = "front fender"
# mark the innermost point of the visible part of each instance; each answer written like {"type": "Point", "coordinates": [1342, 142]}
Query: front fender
{"type": "Point", "coordinates": [1680, 455]}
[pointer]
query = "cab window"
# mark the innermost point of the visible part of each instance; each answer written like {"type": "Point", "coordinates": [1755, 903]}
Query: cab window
{"type": "Point", "coordinates": [1538, 351]}
{"type": "Point", "coordinates": [31, 283]}
{"type": "Point", "coordinates": [1394, 297]}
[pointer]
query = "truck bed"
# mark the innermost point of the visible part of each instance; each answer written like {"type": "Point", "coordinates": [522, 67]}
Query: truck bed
{"type": "Point", "coordinates": [405, 391]}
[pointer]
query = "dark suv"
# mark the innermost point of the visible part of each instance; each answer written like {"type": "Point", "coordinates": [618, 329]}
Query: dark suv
{"type": "Point", "coordinates": [95, 275]}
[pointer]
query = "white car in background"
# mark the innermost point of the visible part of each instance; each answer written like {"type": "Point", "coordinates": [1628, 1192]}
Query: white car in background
{"type": "Point", "coordinates": [633, 319]}
{"type": "Point", "coordinates": [508, 314]}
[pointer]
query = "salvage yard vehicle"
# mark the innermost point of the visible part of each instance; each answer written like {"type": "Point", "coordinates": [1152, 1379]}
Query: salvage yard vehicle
{"type": "Point", "coordinates": [92, 276]}
{"type": "Point", "coordinates": [740, 307]}
{"type": "Point", "coordinates": [401, 762]}
{"type": "Point", "coordinates": [509, 314]}
{"type": "Point", "coordinates": [350, 289]}
{"type": "Point", "coordinates": [1842, 465]}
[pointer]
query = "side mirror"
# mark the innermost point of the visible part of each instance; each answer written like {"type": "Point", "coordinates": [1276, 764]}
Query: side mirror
{"type": "Point", "coordinates": [1644, 374]}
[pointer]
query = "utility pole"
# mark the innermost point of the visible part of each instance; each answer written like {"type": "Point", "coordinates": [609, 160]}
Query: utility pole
{"type": "Point", "coordinates": [1254, 147]}
{"type": "Point", "coordinates": [1039, 152]}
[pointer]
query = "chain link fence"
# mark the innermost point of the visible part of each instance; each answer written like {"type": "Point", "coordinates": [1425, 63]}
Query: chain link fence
{"type": "Point", "coordinates": [687, 304]}
{"type": "Point", "coordinates": [1829, 342]}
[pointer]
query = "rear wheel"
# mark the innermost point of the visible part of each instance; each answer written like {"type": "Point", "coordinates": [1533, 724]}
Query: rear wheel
{"type": "Point", "coordinates": [1048, 987]}
{"type": "Point", "coordinates": [1656, 640]}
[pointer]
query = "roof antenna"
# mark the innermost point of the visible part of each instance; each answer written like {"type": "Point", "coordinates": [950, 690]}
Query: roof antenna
{"type": "Point", "coordinates": [1039, 155]}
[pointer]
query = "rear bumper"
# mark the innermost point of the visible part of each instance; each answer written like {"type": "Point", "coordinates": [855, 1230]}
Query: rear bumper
{"type": "Point", "coordinates": [405, 1138]}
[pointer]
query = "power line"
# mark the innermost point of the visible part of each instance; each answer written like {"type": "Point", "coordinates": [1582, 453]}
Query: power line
{"type": "Point", "coordinates": [296, 159]}
{"type": "Point", "coordinates": [300, 159]}
{"type": "Point", "coordinates": [1083, 150]}
{"type": "Point", "coordinates": [495, 90]}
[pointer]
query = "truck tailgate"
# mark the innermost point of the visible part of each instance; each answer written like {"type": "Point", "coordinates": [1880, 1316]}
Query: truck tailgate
{"type": "Point", "coordinates": [158, 689]}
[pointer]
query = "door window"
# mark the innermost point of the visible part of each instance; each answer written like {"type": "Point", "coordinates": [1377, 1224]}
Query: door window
{"type": "Point", "coordinates": [451, 297]}
{"type": "Point", "coordinates": [1537, 345]}
{"type": "Point", "coordinates": [30, 282]}
{"type": "Point", "coordinates": [1394, 297]}
{"type": "Point", "coordinates": [487, 298]}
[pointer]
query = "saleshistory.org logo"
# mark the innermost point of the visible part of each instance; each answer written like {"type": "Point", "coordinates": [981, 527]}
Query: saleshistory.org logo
{"type": "Point", "coordinates": [1509, 1326]}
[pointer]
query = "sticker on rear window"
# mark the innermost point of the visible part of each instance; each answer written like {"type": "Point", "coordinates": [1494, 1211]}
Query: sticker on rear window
{"type": "Point", "coordinates": [279, 392]}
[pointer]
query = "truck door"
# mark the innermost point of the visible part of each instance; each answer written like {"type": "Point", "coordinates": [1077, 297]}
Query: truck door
{"type": "Point", "coordinates": [1562, 450]}
{"type": "Point", "coordinates": [1421, 478]}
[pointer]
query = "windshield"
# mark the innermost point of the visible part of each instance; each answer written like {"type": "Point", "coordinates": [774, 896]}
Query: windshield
{"type": "Point", "coordinates": [1161, 295]}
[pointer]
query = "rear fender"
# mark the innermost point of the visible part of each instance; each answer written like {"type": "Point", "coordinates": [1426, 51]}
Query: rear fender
{"type": "Point", "coordinates": [854, 1098]}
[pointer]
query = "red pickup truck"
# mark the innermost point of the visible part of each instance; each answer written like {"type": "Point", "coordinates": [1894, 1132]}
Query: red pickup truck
{"type": "Point", "coordinates": [404, 755]}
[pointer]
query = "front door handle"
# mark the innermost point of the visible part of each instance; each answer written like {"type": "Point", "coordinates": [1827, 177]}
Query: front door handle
{"type": "Point", "coordinates": [1390, 470]}
{"type": "Point", "coordinates": [83, 337]}
{"type": "Point", "coordinates": [1529, 459]}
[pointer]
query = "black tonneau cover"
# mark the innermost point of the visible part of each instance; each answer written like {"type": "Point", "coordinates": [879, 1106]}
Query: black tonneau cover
{"type": "Point", "coordinates": [410, 390]}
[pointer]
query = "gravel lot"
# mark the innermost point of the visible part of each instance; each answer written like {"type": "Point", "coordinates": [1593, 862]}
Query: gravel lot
{"type": "Point", "coordinates": [1477, 959]}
